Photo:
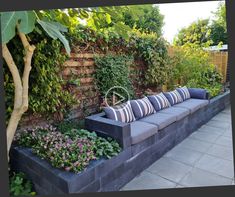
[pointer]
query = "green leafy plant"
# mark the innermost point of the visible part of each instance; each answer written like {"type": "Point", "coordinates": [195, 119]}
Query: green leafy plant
{"type": "Point", "coordinates": [71, 149]}
{"type": "Point", "coordinates": [113, 70]}
{"type": "Point", "coordinates": [191, 67]}
{"type": "Point", "coordinates": [154, 52]}
{"type": "Point", "coordinates": [102, 147]}
{"type": "Point", "coordinates": [47, 93]}
{"type": "Point", "coordinates": [19, 185]}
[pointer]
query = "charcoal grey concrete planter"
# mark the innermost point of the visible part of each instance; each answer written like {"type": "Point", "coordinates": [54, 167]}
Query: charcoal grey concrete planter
{"type": "Point", "coordinates": [113, 174]}
{"type": "Point", "coordinates": [49, 180]}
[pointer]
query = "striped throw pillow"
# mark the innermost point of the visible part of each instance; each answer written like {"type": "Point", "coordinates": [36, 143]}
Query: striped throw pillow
{"type": "Point", "coordinates": [184, 93]}
{"type": "Point", "coordinates": [173, 97]}
{"type": "Point", "coordinates": [159, 101]}
{"type": "Point", "coordinates": [142, 107]}
{"type": "Point", "coordinates": [122, 113]}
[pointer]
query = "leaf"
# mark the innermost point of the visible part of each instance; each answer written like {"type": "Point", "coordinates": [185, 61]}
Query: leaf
{"type": "Point", "coordinates": [9, 20]}
{"type": "Point", "coordinates": [108, 18]}
{"type": "Point", "coordinates": [8, 25]}
{"type": "Point", "coordinates": [27, 21]}
{"type": "Point", "coordinates": [54, 29]}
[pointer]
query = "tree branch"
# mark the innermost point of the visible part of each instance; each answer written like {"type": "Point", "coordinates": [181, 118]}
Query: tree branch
{"type": "Point", "coordinates": [29, 50]}
{"type": "Point", "coordinates": [15, 74]}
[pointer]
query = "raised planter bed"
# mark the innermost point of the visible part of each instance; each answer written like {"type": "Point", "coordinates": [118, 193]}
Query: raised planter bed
{"type": "Point", "coordinates": [112, 174]}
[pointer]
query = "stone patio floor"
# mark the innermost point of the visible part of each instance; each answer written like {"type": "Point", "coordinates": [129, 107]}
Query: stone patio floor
{"type": "Point", "coordinates": [205, 158]}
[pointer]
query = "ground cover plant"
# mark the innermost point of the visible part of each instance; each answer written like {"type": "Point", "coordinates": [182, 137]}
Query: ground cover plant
{"type": "Point", "coordinates": [71, 149]}
{"type": "Point", "coordinates": [19, 185]}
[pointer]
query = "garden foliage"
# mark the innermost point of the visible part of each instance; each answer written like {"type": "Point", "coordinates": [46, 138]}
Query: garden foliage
{"type": "Point", "coordinates": [47, 90]}
{"type": "Point", "coordinates": [113, 70]}
{"type": "Point", "coordinates": [71, 150]}
{"type": "Point", "coordinates": [191, 67]}
{"type": "Point", "coordinates": [19, 185]}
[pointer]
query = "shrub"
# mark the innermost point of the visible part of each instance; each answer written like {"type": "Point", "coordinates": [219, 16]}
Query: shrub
{"type": "Point", "coordinates": [191, 67]}
{"type": "Point", "coordinates": [71, 150]}
{"type": "Point", "coordinates": [19, 185]}
{"type": "Point", "coordinates": [113, 70]}
{"type": "Point", "coordinates": [153, 50]}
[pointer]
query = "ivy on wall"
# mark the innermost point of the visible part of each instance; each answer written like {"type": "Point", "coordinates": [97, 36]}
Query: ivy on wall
{"type": "Point", "coordinates": [113, 70]}
{"type": "Point", "coordinates": [47, 93]}
{"type": "Point", "coordinates": [154, 52]}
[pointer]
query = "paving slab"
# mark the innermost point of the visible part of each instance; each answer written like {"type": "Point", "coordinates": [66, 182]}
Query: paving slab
{"type": "Point", "coordinates": [219, 124]}
{"type": "Point", "coordinates": [205, 136]}
{"type": "Point", "coordinates": [195, 144]}
{"type": "Point", "coordinates": [223, 152]}
{"type": "Point", "coordinates": [184, 155]}
{"type": "Point", "coordinates": [224, 141]}
{"type": "Point", "coordinates": [147, 180]}
{"type": "Point", "coordinates": [198, 177]}
{"type": "Point", "coordinates": [213, 130]}
{"type": "Point", "coordinates": [216, 165]}
{"type": "Point", "coordinates": [169, 169]}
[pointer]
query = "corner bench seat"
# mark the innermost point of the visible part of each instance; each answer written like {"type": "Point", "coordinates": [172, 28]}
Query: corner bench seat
{"type": "Point", "coordinates": [192, 104]}
{"type": "Point", "coordinates": [141, 131]}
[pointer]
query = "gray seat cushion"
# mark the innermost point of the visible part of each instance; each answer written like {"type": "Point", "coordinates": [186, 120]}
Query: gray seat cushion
{"type": "Point", "coordinates": [160, 119]}
{"type": "Point", "coordinates": [193, 104]}
{"type": "Point", "coordinates": [141, 131]}
{"type": "Point", "coordinates": [180, 113]}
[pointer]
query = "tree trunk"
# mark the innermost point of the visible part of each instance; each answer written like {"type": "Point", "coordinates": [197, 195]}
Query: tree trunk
{"type": "Point", "coordinates": [21, 86]}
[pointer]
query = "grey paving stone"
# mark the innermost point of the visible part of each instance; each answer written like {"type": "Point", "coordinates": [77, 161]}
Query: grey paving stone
{"type": "Point", "coordinates": [221, 152]}
{"type": "Point", "coordinates": [179, 186]}
{"type": "Point", "coordinates": [216, 165]}
{"type": "Point", "coordinates": [228, 134]}
{"type": "Point", "coordinates": [205, 136]}
{"type": "Point", "coordinates": [224, 141]}
{"type": "Point", "coordinates": [222, 117]}
{"type": "Point", "coordinates": [184, 155]}
{"type": "Point", "coordinates": [196, 145]}
{"type": "Point", "coordinates": [169, 169]}
{"type": "Point", "coordinates": [198, 177]}
{"type": "Point", "coordinates": [211, 129]}
{"type": "Point", "coordinates": [218, 124]}
{"type": "Point", "coordinates": [148, 181]}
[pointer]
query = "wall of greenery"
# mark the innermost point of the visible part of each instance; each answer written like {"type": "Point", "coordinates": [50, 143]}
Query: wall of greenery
{"type": "Point", "coordinates": [47, 92]}
{"type": "Point", "coordinates": [113, 70]}
{"type": "Point", "coordinates": [129, 40]}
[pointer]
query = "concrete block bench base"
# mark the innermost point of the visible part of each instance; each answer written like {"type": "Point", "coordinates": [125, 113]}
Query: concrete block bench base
{"type": "Point", "coordinates": [113, 174]}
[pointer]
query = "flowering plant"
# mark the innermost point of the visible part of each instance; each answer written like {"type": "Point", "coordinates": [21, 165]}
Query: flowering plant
{"type": "Point", "coordinates": [70, 151]}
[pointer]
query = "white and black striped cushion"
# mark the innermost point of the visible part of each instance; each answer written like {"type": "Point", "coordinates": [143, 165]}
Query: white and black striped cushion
{"type": "Point", "coordinates": [159, 101]}
{"type": "Point", "coordinates": [121, 113]}
{"type": "Point", "coordinates": [173, 97]}
{"type": "Point", "coordinates": [184, 93]}
{"type": "Point", "coordinates": [142, 107]}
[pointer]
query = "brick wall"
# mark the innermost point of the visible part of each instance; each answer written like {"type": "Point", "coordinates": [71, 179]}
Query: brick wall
{"type": "Point", "coordinates": [82, 67]}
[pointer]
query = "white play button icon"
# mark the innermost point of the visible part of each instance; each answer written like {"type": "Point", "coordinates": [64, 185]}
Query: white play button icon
{"type": "Point", "coordinates": [116, 95]}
